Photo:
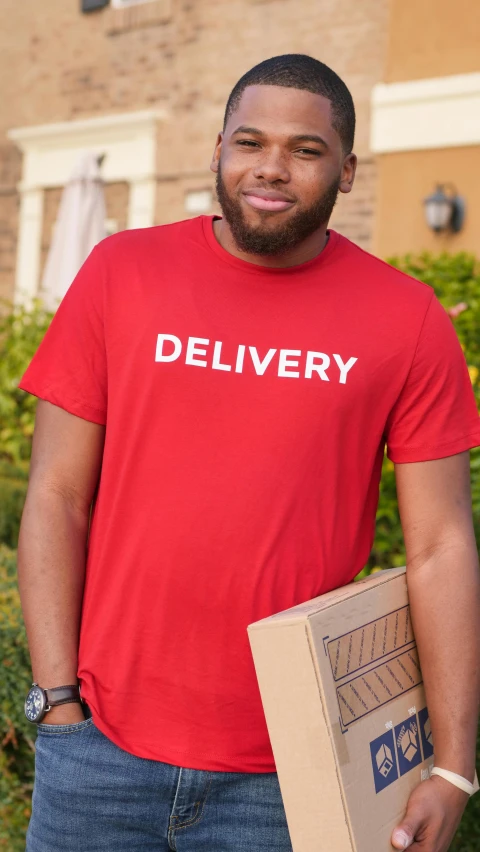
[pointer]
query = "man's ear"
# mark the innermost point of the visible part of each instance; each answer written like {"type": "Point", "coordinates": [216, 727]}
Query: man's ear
{"type": "Point", "coordinates": [348, 173]}
{"type": "Point", "coordinates": [216, 153]}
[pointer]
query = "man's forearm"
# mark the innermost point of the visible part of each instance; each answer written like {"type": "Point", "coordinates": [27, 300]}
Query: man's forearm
{"type": "Point", "coordinates": [444, 594]}
{"type": "Point", "coordinates": [51, 574]}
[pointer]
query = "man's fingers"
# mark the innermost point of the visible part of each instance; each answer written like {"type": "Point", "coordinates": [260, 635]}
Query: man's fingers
{"type": "Point", "coordinates": [413, 846]}
{"type": "Point", "coordinates": [402, 837]}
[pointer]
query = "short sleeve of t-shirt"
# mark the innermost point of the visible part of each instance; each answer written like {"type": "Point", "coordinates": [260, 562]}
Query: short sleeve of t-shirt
{"type": "Point", "coordinates": [436, 414]}
{"type": "Point", "coordinates": [69, 368]}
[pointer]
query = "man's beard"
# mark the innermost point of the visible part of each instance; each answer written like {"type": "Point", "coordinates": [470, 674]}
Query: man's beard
{"type": "Point", "coordinates": [280, 239]}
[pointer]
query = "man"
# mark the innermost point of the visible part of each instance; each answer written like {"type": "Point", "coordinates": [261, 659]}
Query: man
{"type": "Point", "coordinates": [221, 390]}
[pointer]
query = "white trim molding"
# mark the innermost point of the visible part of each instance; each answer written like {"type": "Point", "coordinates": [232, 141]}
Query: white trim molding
{"type": "Point", "coordinates": [122, 4]}
{"type": "Point", "coordinates": [29, 245]}
{"type": "Point", "coordinates": [50, 154]}
{"type": "Point", "coordinates": [440, 112]}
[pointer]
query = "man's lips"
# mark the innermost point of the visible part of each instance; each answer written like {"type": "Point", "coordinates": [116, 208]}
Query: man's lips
{"type": "Point", "coordinates": [263, 199]}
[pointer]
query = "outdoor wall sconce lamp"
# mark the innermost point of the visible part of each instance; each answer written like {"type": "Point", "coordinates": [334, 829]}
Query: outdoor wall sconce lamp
{"type": "Point", "coordinates": [444, 212]}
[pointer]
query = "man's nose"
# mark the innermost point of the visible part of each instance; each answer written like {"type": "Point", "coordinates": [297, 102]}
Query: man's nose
{"type": "Point", "coordinates": [271, 167]}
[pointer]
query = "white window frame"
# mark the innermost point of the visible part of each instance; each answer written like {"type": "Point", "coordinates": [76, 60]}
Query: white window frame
{"type": "Point", "coordinates": [124, 4]}
{"type": "Point", "coordinates": [51, 152]}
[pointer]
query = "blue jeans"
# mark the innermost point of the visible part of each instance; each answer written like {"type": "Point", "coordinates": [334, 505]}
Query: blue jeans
{"type": "Point", "coordinates": [91, 796]}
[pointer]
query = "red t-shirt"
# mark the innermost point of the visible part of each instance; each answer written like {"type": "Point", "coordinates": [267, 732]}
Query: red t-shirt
{"type": "Point", "coordinates": [246, 413]}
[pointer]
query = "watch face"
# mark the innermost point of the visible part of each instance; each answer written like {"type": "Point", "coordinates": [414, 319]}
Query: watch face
{"type": "Point", "coordinates": [35, 704]}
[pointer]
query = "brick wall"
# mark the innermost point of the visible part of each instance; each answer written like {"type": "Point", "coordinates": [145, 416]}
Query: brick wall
{"type": "Point", "coordinates": [353, 213]}
{"type": "Point", "coordinates": [116, 202]}
{"type": "Point", "coordinates": [10, 171]}
{"type": "Point", "coordinates": [57, 64]}
{"type": "Point", "coordinates": [9, 203]}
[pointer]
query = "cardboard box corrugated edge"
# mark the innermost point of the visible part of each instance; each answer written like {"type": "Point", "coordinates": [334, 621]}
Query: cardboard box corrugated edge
{"type": "Point", "coordinates": [334, 745]}
{"type": "Point", "coordinates": [330, 598]}
{"type": "Point", "coordinates": [304, 707]}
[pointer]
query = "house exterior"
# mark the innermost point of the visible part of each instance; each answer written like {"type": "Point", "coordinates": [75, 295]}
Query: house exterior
{"type": "Point", "coordinates": [426, 124]}
{"type": "Point", "coordinates": [145, 82]}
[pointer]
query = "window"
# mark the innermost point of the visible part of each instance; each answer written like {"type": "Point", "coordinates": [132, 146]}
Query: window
{"type": "Point", "coordinates": [50, 152]}
{"type": "Point", "coordinates": [198, 201]}
{"type": "Point", "coordinates": [122, 4]}
{"type": "Point", "coordinates": [133, 14]}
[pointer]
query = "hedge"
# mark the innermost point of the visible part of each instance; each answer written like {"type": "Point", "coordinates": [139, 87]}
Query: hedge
{"type": "Point", "coordinates": [20, 334]}
{"type": "Point", "coordinates": [456, 280]}
{"type": "Point", "coordinates": [16, 733]}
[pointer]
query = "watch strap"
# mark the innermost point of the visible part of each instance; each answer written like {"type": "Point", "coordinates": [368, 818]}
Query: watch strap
{"type": "Point", "coordinates": [62, 695]}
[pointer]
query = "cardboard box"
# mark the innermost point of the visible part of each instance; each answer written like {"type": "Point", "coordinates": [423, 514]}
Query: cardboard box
{"type": "Point", "coordinates": [345, 708]}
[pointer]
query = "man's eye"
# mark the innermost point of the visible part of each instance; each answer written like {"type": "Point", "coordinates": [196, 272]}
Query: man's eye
{"type": "Point", "coordinates": [309, 151]}
{"type": "Point", "coordinates": [247, 142]}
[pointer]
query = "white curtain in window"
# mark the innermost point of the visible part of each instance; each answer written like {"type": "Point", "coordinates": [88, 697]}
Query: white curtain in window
{"type": "Point", "coordinates": [79, 227]}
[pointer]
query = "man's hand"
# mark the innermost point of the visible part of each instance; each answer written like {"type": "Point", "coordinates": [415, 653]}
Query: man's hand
{"type": "Point", "coordinates": [434, 811]}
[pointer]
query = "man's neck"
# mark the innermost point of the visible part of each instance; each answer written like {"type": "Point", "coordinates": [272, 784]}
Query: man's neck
{"type": "Point", "coordinates": [304, 251]}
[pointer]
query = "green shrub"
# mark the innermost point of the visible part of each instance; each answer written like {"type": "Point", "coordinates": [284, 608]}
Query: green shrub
{"type": "Point", "coordinates": [13, 488]}
{"type": "Point", "coordinates": [21, 332]}
{"type": "Point", "coordinates": [16, 734]}
{"type": "Point", "coordinates": [455, 279]}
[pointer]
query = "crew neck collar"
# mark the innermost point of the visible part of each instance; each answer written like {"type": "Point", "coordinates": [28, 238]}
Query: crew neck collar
{"type": "Point", "coordinates": [257, 269]}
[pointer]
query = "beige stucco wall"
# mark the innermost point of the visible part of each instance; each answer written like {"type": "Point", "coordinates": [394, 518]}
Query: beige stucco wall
{"type": "Point", "coordinates": [432, 38]}
{"type": "Point", "coordinates": [428, 39]}
{"type": "Point", "coordinates": [404, 180]}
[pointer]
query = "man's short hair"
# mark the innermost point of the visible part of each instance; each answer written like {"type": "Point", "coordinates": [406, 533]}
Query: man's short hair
{"type": "Point", "coordinates": [298, 71]}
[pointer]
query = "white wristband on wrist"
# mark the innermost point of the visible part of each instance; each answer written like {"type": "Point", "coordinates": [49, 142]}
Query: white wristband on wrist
{"type": "Point", "coordinates": [457, 780]}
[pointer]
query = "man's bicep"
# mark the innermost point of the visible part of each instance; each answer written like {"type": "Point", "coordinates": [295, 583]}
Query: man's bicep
{"type": "Point", "coordinates": [434, 499]}
{"type": "Point", "coordinates": [66, 454]}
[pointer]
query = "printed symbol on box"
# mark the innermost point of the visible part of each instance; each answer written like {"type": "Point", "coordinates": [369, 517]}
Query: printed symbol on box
{"type": "Point", "coordinates": [382, 751]}
{"type": "Point", "coordinates": [425, 733]}
{"type": "Point", "coordinates": [384, 759]}
{"type": "Point", "coordinates": [408, 745]}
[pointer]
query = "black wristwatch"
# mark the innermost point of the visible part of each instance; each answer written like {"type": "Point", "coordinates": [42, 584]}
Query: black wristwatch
{"type": "Point", "coordinates": [39, 701]}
